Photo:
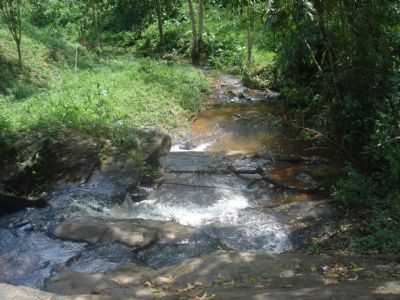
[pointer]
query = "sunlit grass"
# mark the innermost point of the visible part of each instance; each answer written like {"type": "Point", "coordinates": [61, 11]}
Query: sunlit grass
{"type": "Point", "coordinates": [105, 98]}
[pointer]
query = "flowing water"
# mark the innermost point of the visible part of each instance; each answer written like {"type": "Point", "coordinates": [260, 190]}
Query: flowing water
{"type": "Point", "coordinates": [211, 182]}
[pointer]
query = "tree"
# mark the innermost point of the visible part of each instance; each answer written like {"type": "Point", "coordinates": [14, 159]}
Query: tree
{"type": "Point", "coordinates": [10, 11]}
{"type": "Point", "coordinates": [197, 30]}
{"type": "Point", "coordinates": [160, 21]}
{"type": "Point", "coordinates": [250, 30]}
{"type": "Point", "coordinates": [347, 50]}
{"type": "Point", "coordinates": [249, 10]}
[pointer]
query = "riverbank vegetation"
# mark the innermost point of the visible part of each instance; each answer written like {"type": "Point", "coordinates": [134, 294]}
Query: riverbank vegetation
{"type": "Point", "coordinates": [99, 66]}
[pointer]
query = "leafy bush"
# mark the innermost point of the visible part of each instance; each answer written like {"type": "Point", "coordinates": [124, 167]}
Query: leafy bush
{"type": "Point", "coordinates": [176, 38]}
{"type": "Point", "coordinates": [333, 49]}
{"type": "Point", "coordinates": [382, 231]}
{"type": "Point", "coordinates": [356, 190]}
{"type": "Point", "coordinates": [224, 51]}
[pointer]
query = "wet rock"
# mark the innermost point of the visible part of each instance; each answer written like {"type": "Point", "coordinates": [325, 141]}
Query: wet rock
{"type": "Point", "coordinates": [287, 274]}
{"type": "Point", "coordinates": [251, 177]}
{"type": "Point", "coordinates": [291, 176]}
{"type": "Point", "coordinates": [307, 180]}
{"type": "Point", "coordinates": [172, 253]}
{"type": "Point", "coordinates": [248, 165]}
{"type": "Point", "coordinates": [194, 162]}
{"type": "Point", "coordinates": [117, 174]}
{"type": "Point", "coordinates": [308, 210]}
{"type": "Point", "coordinates": [93, 230]}
{"type": "Point", "coordinates": [72, 157]}
{"type": "Point", "coordinates": [133, 233]}
{"type": "Point", "coordinates": [102, 258]}
{"type": "Point", "coordinates": [154, 144]}
{"type": "Point", "coordinates": [10, 203]}
{"type": "Point", "coordinates": [30, 258]}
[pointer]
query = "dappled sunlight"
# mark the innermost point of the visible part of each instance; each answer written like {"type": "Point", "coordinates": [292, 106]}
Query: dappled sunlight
{"type": "Point", "coordinates": [389, 288]}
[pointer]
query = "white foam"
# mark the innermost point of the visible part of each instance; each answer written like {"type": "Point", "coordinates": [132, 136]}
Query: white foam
{"type": "Point", "coordinates": [200, 148]}
{"type": "Point", "coordinates": [228, 213]}
{"type": "Point", "coordinates": [227, 207]}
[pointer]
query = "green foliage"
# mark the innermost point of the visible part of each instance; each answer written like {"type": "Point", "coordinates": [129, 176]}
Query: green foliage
{"type": "Point", "coordinates": [382, 232]}
{"type": "Point", "coordinates": [344, 52]}
{"type": "Point", "coordinates": [338, 64]}
{"type": "Point", "coordinates": [385, 142]}
{"type": "Point", "coordinates": [224, 41]}
{"type": "Point", "coordinates": [110, 99]}
{"type": "Point", "coordinates": [378, 204]}
{"type": "Point", "coordinates": [176, 39]}
{"type": "Point", "coordinates": [223, 48]}
{"type": "Point", "coordinates": [356, 190]}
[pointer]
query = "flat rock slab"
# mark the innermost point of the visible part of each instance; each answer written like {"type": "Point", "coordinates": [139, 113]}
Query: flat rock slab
{"type": "Point", "coordinates": [135, 233]}
{"type": "Point", "coordinates": [192, 162]}
{"type": "Point", "coordinates": [202, 162]}
{"type": "Point", "coordinates": [11, 292]}
{"type": "Point", "coordinates": [345, 291]}
{"type": "Point", "coordinates": [241, 275]}
{"type": "Point", "coordinates": [126, 282]}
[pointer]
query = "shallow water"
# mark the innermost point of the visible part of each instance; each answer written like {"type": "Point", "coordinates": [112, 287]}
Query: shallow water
{"type": "Point", "coordinates": [200, 189]}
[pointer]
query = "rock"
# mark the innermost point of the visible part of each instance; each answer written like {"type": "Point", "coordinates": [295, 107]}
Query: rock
{"type": "Point", "coordinates": [227, 275]}
{"type": "Point", "coordinates": [307, 210]}
{"type": "Point", "coordinates": [389, 288]}
{"type": "Point", "coordinates": [125, 282]}
{"type": "Point", "coordinates": [307, 180]}
{"type": "Point", "coordinates": [93, 230]}
{"type": "Point", "coordinates": [132, 233]}
{"type": "Point", "coordinates": [248, 165]}
{"type": "Point", "coordinates": [11, 292]}
{"type": "Point", "coordinates": [10, 203]}
{"type": "Point", "coordinates": [194, 162]}
{"type": "Point", "coordinates": [155, 144]}
{"type": "Point", "coordinates": [287, 274]}
{"type": "Point", "coordinates": [72, 157]}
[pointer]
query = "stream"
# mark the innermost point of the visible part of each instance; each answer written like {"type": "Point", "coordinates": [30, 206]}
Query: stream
{"type": "Point", "coordinates": [214, 183]}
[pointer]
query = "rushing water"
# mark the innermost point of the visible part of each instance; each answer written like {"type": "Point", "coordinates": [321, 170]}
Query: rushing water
{"type": "Point", "coordinates": [199, 190]}
{"type": "Point", "coordinates": [221, 205]}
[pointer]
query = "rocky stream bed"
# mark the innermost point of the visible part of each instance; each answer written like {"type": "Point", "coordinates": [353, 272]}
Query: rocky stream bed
{"type": "Point", "coordinates": [239, 195]}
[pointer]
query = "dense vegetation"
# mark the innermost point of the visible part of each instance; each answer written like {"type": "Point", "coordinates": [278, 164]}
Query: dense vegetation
{"type": "Point", "coordinates": [109, 64]}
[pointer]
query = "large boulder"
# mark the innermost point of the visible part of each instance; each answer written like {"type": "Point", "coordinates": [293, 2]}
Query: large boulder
{"type": "Point", "coordinates": [37, 164]}
{"type": "Point", "coordinates": [132, 233]}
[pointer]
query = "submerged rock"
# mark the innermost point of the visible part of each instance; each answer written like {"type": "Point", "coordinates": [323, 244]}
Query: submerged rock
{"type": "Point", "coordinates": [30, 258]}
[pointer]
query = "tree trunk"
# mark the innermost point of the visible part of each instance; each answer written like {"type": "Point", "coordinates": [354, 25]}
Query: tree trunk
{"type": "Point", "coordinates": [250, 32]}
{"type": "Point", "coordinates": [18, 43]}
{"type": "Point", "coordinates": [201, 25]}
{"type": "Point", "coordinates": [195, 39]}
{"type": "Point", "coordinates": [160, 22]}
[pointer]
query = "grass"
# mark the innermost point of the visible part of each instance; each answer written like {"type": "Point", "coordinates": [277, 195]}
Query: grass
{"type": "Point", "coordinates": [106, 98]}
